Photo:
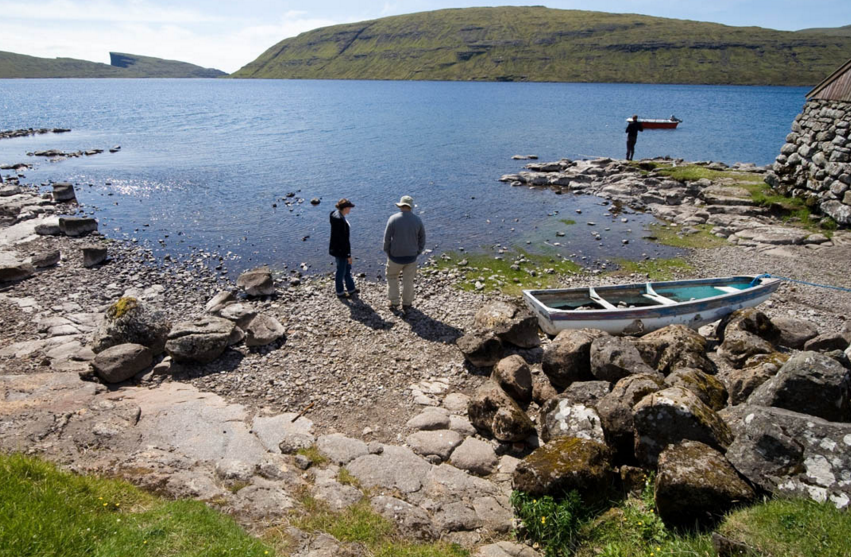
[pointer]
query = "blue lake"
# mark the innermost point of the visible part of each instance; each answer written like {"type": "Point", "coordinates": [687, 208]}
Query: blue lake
{"type": "Point", "coordinates": [203, 161]}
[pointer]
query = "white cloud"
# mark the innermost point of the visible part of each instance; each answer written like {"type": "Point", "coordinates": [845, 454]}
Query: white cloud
{"type": "Point", "coordinates": [101, 10]}
{"type": "Point", "coordinates": [224, 47]}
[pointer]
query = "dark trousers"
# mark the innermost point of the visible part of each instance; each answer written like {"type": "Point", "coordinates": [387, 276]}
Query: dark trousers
{"type": "Point", "coordinates": [344, 274]}
{"type": "Point", "coordinates": [630, 148]}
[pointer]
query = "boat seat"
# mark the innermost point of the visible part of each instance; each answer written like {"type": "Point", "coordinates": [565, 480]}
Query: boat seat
{"type": "Point", "coordinates": [728, 289]}
{"type": "Point", "coordinates": [656, 297]}
{"type": "Point", "coordinates": [596, 298]}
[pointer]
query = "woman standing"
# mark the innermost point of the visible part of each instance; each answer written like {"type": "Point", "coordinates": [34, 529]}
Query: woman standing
{"type": "Point", "coordinates": [341, 249]}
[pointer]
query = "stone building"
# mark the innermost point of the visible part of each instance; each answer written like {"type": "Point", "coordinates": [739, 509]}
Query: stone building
{"type": "Point", "coordinates": [815, 162]}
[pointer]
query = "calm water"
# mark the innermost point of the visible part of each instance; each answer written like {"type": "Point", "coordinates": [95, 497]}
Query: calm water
{"type": "Point", "coordinates": [202, 161]}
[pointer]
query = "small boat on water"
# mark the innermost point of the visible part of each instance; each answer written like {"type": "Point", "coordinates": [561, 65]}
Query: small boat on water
{"type": "Point", "coordinates": [651, 124]}
{"type": "Point", "coordinates": [644, 307]}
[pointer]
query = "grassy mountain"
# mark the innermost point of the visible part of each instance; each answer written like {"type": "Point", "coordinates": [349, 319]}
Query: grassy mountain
{"type": "Point", "coordinates": [542, 44]}
{"type": "Point", "coordinates": [830, 31]}
{"type": "Point", "coordinates": [123, 65]}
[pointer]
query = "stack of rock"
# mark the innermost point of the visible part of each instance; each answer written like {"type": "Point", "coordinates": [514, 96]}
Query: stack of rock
{"type": "Point", "coordinates": [774, 417]}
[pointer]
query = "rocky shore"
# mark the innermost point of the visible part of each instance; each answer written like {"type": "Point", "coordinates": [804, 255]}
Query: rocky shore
{"type": "Point", "coordinates": [165, 373]}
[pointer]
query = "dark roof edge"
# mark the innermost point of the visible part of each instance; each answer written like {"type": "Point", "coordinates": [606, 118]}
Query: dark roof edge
{"type": "Point", "coordinates": [829, 79]}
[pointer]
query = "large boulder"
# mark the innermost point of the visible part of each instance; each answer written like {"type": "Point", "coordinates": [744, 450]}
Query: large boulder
{"type": "Point", "coordinates": [13, 270]}
{"type": "Point", "coordinates": [810, 383]}
{"type": "Point", "coordinates": [673, 347]}
{"type": "Point", "coordinates": [568, 357]}
{"type": "Point", "coordinates": [566, 464]}
{"type": "Point", "coordinates": [132, 321]}
{"type": "Point", "coordinates": [708, 389]}
{"type": "Point", "coordinates": [561, 418]}
{"type": "Point", "coordinates": [512, 324]}
{"type": "Point", "coordinates": [587, 392]}
{"type": "Point", "coordinates": [792, 454]}
{"type": "Point", "coordinates": [257, 282]}
{"type": "Point", "coordinates": [542, 389]}
{"type": "Point", "coordinates": [220, 301]}
{"type": "Point", "coordinates": [613, 358]}
{"type": "Point", "coordinates": [695, 485]}
{"type": "Point", "coordinates": [263, 330]}
{"type": "Point", "coordinates": [746, 333]}
{"type": "Point", "coordinates": [794, 332]}
{"type": "Point", "coordinates": [495, 413]}
{"type": "Point", "coordinates": [63, 192]}
{"type": "Point", "coordinates": [480, 348]}
{"type": "Point", "coordinates": [121, 362]}
{"type": "Point", "coordinates": [439, 442]}
{"type": "Point", "coordinates": [741, 383]}
{"type": "Point", "coordinates": [671, 416]}
{"type": "Point", "coordinates": [475, 456]}
{"type": "Point", "coordinates": [77, 226]}
{"type": "Point", "coordinates": [513, 375]}
{"type": "Point", "coordinates": [93, 255]}
{"type": "Point", "coordinates": [201, 340]}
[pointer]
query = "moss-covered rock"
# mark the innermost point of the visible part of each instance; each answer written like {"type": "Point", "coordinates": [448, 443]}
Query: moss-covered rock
{"type": "Point", "coordinates": [741, 383]}
{"type": "Point", "coordinates": [566, 464]}
{"type": "Point", "coordinates": [746, 333]}
{"type": "Point", "coordinates": [696, 485]}
{"type": "Point", "coordinates": [673, 347]}
{"type": "Point", "coordinates": [674, 415]}
{"type": "Point", "coordinates": [131, 321]}
{"type": "Point", "coordinates": [709, 389]}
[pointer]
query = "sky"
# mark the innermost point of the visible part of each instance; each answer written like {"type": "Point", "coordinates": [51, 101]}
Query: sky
{"type": "Point", "coordinates": [228, 35]}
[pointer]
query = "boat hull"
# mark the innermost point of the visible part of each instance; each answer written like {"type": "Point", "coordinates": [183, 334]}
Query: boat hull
{"type": "Point", "coordinates": [642, 320]}
{"type": "Point", "coordinates": [658, 124]}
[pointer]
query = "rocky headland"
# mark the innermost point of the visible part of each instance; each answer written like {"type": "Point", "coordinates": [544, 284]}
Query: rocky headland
{"type": "Point", "coordinates": [250, 395]}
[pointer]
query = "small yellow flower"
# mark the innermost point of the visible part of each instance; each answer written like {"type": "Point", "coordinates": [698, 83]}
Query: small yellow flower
{"type": "Point", "coordinates": [144, 542]}
{"type": "Point", "coordinates": [543, 520]}
{"type": "Point", "coordinates": [658, 549]}
{"type": "Point", "coordinates": [118, 504]}
{"type": "Point", "coordinates": [104, 504]}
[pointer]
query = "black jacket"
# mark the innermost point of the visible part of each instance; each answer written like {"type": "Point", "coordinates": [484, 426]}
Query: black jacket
{"type": "Point", "coordinates": [339, 245]}
{"type": "Point", "coordinates": [632, 130]}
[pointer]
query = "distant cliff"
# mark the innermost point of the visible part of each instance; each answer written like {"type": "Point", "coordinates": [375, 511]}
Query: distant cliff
{"type": "Point", "coordinates": [543, 44]}
{"type": "Point", "coordinates": [14, 65]}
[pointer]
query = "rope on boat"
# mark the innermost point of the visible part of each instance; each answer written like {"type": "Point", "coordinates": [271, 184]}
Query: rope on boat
{"type": "Point", "coordinates": [787, 279]}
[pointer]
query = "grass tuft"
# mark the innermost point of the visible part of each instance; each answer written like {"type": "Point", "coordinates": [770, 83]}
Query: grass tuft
{"type": "Point", "coordinates": [702, 239]}
{"type": "Point", "coordinates": [312, 453]}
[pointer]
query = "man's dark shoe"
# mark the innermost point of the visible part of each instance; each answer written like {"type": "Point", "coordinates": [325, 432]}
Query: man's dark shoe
{"type": "Point", "coordinates": [354, 292]}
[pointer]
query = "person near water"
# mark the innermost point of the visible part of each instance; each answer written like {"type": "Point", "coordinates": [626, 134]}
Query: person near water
{"type": "Point", "coordinates": [340, 248]}
{"type": "Point", "coordinates": [632, 130]}
{"type": "Point", "coordinates": [404, 241]}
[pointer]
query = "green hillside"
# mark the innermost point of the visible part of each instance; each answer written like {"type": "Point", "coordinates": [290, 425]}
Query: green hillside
{"type": "Point", "coordinates": [830, 31]}
{"type": "Point", "coordinates": [14, 65]}
{"type": "Point", "coordinates": [542, 44]}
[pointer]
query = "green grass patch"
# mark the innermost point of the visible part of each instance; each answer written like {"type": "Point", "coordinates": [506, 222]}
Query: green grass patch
{"type": "Point", "coordinates": [347, 478]}
{"type": "Point", "coordinates": [312, 454]}
{"type": "Point", "coordinates": [360, 524]}
{"type": "Point", "coordinates": [702, 239]}
{"type": "Point", "coordinates": [656, 269]}
{"type": "Point", "coordinates": [693, 172]}
{"type": "Point", "coordinates": [568, 222]}
{"type": "Point", "coordinates": [779, 527]}
{"type": "Point", "coordinates": [497, 274]}
{"type": "Point", "coordinates": [551, 524]}
{"type": "Point", "coordinates": [48, 512]}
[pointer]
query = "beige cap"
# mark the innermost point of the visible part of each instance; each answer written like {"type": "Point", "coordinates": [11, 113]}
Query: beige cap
{"type": "Point", "coordinates": [406, 201]}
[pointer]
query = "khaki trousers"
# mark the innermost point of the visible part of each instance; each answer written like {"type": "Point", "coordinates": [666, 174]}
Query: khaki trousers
{"type": "Point", "coordinates": [408, 272]}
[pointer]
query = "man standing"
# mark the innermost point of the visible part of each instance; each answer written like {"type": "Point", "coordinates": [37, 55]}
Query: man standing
{"type": "Point", "coordinates": [632, 130]}
{"type": "Point", "coordinates": [404, 240]}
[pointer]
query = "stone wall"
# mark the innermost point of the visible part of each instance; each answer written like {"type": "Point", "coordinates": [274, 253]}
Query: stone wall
{"type": "Point", "coordinates": [815, 162]}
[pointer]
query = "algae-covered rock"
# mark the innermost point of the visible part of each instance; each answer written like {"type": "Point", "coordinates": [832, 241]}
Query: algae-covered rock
{"type": "Point", "coordinates": [132, 321]}
{"type": "Point", "coordinates": [709, 389]}
{"type": "Point", "coordinates": [673, 415]}
{"type": "Point", "coordinates": [673, 347]}
{"type": "Point", "coordinates": [566, 464]}
{"type": "Point", "coordinates": [567, 358]}
{"type": "Point", "coordinates": [695, 485]}
{"type": "Point", "coordinates": [495, 413]}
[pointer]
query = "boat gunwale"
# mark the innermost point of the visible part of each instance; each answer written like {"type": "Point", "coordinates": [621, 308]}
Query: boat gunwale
{"type": "Point", "coordinates": [652, 311]}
